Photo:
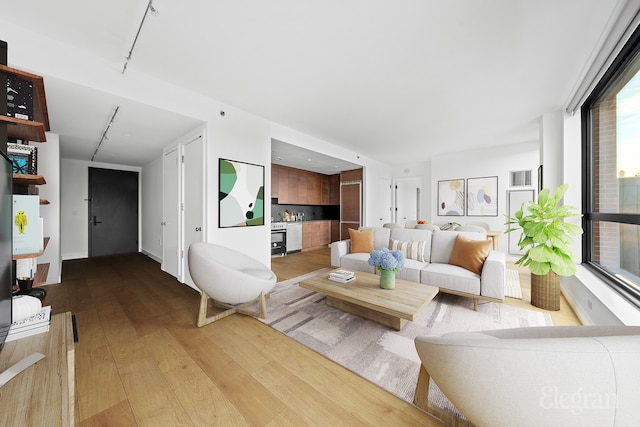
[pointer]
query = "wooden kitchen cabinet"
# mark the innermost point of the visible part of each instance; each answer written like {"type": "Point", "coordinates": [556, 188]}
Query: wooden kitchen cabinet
{"type": "Point", "coordinates": [283, 185]}
{"type": "Point", "coordinates": [335, 231]}
{"type": "Point", "coordinates": [292, 181]}
{"type": "Point", "coordinates": [293, 186]}
{"type": "Point", "coordinates": [316, 234]}
{"type": "Point", "coordinates": [275, 181]}
{"type": "Point", "coordinates": [325, 190]}
{"type": "Point", "coordinates": [334, 189]}
{"type": "Point", "coordinates": [302, 180]}
{"type": "Point", "coordinates": [314, 188]}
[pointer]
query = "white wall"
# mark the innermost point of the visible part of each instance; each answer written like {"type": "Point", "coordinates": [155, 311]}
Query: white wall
{"type": "Point", "coordinates": [49, 167]}
{"type": "Point", "coordinates": [151, 212]}
{"type": "Point", "coordinates": [74, 205]}
{"type": "Point", "coordinates": [244, 137]}
{"type": "Point", "coordinates": [496, 161]}
{"type": "Point", "coordinates": [552, 149]}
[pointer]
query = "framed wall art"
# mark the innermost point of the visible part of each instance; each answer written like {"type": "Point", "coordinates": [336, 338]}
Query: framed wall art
{"type": "Point", "coordinates": [23, 158]}
{"type": "Point", "coordinates": [482, 196]}
{"type": "Point", "coordinates": [241, 195]}
{"type": "Point", "coordinates": [451, 197]}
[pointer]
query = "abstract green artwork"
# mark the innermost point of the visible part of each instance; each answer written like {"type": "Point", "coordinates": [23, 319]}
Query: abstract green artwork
{"type": "Point", "coordinates": [241, 195]}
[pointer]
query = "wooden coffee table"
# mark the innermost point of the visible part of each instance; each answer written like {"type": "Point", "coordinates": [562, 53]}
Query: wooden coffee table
{"type": "Point", "coordinates": [364, 297]}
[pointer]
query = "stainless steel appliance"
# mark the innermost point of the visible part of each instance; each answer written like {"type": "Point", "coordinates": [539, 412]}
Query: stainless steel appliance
{"type": "Point", "coordinates": [294, 237]}
{"type": "Point", "coordinates": [278, 238]}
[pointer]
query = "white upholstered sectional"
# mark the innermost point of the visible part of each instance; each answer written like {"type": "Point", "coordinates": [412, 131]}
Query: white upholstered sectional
{"type": "Point", "coordinates": [435, 270]}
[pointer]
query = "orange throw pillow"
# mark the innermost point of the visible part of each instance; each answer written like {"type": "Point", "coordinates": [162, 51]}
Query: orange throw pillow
{"type": "Point", "coordinates": [361, 241]}
{"type": "Point", "coordinates": [469, 254]}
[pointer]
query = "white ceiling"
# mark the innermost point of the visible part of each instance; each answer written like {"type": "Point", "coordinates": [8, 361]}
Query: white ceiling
{"type": "Point", "coordinates": [400, 81]}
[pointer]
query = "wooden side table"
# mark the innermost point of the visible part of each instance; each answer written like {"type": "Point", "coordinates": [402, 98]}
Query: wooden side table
{"type": "Point", "coordinates": [44, 393]}
{"type": "Point", "coordinates": [493, 236]}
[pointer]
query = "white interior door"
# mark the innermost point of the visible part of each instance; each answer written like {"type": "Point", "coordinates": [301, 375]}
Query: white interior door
{"type": "Point", "coordinates": [193, 213]}
{"type": "Point", "coordinates": [407, 196]}
{"type": "Point", "coordinates": [384, 201]}
{"type": "Point", "coordinates": [515, 199]}
{"type": "Point", "coordinates": [171, 212]}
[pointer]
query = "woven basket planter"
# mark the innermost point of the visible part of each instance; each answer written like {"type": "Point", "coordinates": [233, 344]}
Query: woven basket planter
{"type": "Point", "coordinates": [545, 291]}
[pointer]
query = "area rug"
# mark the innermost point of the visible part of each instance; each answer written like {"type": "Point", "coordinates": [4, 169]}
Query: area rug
{"type": "Point", "coordinates": [512, 284]}
{"type": "Point", "coordinates": [385, 357]}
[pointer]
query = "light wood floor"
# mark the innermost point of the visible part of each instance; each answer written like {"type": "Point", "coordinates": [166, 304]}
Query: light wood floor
{"type": "Point", "coordinates": [141, 361]}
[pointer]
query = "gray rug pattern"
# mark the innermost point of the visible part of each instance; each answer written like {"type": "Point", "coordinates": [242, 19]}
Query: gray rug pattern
{"type": "Point", "coordinates": [512, 287]}
{"type": "Point", "coordinates": [383, 356]}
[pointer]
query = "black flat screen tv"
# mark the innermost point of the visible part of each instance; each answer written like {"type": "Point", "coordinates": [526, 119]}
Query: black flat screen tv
{"type": "Point", "coordinates": [6, 255]}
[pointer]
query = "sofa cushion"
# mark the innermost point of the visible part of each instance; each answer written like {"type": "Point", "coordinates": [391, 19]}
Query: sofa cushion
{"type": "Point", "coordinates": [361, 240]}
{"type": "Point", "coordinates": [450, 277]}
{"type": "Point", "coordinates": [443, 242]}
{"type": "Point", "coordinates": [357, 262]}
{"type": "Point", "coordinates": [411, 270]}
{"type": "Point", "coordinates": [410, 250]}
{"type": "Point", "coordinates": [469, 254]}
{"type": "Point", "coordinates": [380, 236]}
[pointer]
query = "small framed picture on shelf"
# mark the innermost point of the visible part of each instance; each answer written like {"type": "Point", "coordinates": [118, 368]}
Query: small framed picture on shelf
{"type": "Point", "coordinates": [23, 158]}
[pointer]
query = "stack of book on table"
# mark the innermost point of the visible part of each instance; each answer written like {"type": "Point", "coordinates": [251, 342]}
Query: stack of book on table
{"type": "Point", "coordinates": [36, 324]}
{"type": "Point", "coordinates": [342, 276]}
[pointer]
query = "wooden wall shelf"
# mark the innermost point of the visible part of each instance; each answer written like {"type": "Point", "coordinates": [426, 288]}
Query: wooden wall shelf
{"type": "Point", "coordinates": [24, 129]}
{"type": "Point", "coordinates": [40, 278]}
{"type": "Point", "coordinates": [26, 179]}
{"type": "Point", "coordinates": [27, 129]}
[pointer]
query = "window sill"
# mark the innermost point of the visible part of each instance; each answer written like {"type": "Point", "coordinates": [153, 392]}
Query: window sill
{"type": "Point", "coordinates": [605, 305]}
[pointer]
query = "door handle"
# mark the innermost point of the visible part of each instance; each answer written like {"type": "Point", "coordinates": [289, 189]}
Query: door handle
{"type": "Point", "coordinates": [95, 220]}
{"type": "Point", "coordinates": [198, 228]}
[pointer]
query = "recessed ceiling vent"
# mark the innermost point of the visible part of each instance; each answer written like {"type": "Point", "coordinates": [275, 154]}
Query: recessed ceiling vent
{"type": "Point", "coordinates": [520, 178]}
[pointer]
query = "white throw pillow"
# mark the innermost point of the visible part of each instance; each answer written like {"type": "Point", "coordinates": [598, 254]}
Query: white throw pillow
{"type": "Point", "coordinates": [410, 250]}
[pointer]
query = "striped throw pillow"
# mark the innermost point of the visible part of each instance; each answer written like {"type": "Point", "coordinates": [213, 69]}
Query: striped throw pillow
{"type": "Point", "coordinates": [410, 250]}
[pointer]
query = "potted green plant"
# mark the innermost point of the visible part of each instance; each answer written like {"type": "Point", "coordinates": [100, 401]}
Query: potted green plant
{"type": "Point", "coordinates": [547, 239]}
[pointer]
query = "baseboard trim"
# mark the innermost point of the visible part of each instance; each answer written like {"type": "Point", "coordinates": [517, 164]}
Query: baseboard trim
{"type": "Point", "coordinates": [154, 257]}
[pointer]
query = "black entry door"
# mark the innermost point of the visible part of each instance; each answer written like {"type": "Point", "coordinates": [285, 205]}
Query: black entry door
{"type": "Point", "coordinates": [113, 212]}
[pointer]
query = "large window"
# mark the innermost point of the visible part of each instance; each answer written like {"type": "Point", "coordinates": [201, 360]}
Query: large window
{"type": "Point", "coordinates": [611, 125]}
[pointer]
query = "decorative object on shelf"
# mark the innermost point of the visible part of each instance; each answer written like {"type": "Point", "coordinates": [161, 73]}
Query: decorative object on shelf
{"type": "Point", "coordinates": [19, 98]}
{"type": "Point", "coordinates": [388, 263]}
{"type": "Point", "coordinates": [27, 233]}
{"type": "Point", "coordinates": [547, 238]}
{"type": "Point", "coordinates": [451, 197]}
{"type": "Point", "coordinates": [23, 158]}
{"type": "Point", "coordinates": [482, 196]}
{"type": "Point", "coordinates": [25, 284]}
{"type": "Point", "coordinates": [241, 195]}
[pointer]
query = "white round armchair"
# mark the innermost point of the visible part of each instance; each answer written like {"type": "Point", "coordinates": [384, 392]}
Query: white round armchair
{"type": "Point", "coordinates": [536, 376]}
{"type": "Point", "coordinates": [232, 279]}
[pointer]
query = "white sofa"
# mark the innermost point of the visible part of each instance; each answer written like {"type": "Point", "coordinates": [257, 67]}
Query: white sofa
{"type": "Point", "coordinates": [435, 270]}
{"type": "Point", "coordinates": [536, 376]}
